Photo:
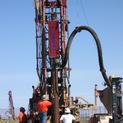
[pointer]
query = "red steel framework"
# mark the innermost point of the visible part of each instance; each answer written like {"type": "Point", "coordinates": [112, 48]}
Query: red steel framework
{"type": "Point", "coordinates": [12, 112]}
{"type": "Point", "coordinates": [51, 32]}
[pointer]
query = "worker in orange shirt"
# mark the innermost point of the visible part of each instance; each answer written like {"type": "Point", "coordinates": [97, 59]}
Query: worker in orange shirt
{"type": "Point", "coordinates": [22, 116]}
{"type": "Point", "coordinates": [43, 106]}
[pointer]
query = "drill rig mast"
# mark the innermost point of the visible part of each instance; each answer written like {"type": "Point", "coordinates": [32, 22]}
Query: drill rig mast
{"type": "Point", "coordinates": [51, 31]}
{"type": "Point", "coordinates": [11, 110]}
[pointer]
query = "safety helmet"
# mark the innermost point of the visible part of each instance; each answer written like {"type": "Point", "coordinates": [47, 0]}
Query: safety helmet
{"type": "Point", "coordinates": [43, 97]}
{"type": "Point", "coordinates": [67, 110]}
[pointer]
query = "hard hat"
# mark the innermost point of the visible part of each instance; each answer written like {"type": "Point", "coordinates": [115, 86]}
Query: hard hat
{"type": "Point", "coordinates": [44, 97]}
{"type": "Point", "coordinates": [67, 110]}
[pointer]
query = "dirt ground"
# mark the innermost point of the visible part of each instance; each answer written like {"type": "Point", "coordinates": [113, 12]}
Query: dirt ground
{"type": "Point", "coordinates": [16, 121]}
{"type": "Point", "coordinates": [9, 121]}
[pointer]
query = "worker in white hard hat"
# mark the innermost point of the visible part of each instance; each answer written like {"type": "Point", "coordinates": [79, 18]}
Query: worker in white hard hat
{"type": "Point", "coordinates": [67, 117]}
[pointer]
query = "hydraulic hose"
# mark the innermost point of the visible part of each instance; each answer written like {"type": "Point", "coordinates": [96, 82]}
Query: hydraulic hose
{"type": "Point", "coordinates": [99, 50]}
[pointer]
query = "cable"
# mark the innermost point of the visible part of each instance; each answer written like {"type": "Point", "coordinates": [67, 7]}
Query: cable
{"type": "Point", "coordinates": [84, 12]}
{"type": "Point", "coordinates": [81, 6]}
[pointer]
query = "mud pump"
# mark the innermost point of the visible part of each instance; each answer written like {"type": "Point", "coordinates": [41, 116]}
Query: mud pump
{"type": "Point", "coordinates": [52, 54]}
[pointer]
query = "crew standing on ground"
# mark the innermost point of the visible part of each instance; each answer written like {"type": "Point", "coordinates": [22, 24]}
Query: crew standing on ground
{"type": "Point", "coordinates": [43, 106]}
{"type": "Point", "coordinates": [22, 116]}
{"type": "Point", "coordinates": [67, 117]}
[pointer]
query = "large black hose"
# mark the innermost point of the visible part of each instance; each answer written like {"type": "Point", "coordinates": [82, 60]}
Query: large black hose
{"type": "Point", "coordinates": [99, 49]}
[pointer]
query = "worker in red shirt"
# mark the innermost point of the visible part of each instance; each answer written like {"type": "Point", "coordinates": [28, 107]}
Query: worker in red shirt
{"type": "Point", "coordinates": [43, 106]}
{"type": "Point", "coordinates": [22, 116]}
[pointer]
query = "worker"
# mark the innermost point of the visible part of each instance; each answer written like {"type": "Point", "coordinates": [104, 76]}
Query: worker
{"type": "Point", "coordinates": [43, 106]}
{"type": "Point", "coordinates": [22, 116]}
{"type": "Point", "coordinates": [67, 117]}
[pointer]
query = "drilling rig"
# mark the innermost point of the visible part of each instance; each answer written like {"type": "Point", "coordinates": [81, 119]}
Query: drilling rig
{"type": "Point", "coordinates": [51, 32]}
{"type": "Point", "coordinates": [52, 56]}
{"type": "Point", "coordinates": [11, 110]}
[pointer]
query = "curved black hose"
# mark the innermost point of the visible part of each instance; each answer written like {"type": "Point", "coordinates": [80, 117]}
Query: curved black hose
{"type": "Point", "coordinates": [99, 49]}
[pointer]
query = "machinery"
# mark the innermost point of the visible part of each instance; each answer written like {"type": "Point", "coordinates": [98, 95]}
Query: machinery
{"type": "Point", "coordinates": [52, 55]}
{"type": "Point", "coordinates": [112, 100]}
{"type": "Point", "coordinates": [11, 105]}
{"type": "Point", "coordinates": [51, 32]}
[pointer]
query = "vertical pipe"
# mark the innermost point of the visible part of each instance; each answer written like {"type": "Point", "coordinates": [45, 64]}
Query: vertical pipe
{"type": "Point", "coordinates": [54, 75]}
{"type": "Point", "coordinates": [43, 47]}
{"type": "Point", "coordinates": [95, 95]}
{"type": "Point", "coordinates": [114, 102]}
{"type": "Point", "coordinates": [44, 59]}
